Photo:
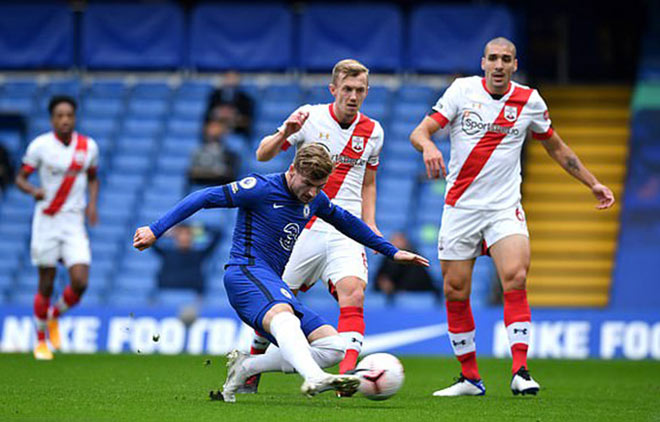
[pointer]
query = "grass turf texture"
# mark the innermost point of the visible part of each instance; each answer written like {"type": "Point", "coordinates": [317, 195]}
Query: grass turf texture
{"type": "Point", "coordinates": [175, 388]}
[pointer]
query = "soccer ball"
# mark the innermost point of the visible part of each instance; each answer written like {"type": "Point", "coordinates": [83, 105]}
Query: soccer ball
{"type": "Point", "coordinates": [381, 376]}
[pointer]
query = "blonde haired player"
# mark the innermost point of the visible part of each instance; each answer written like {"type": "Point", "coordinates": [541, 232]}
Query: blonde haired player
{"type": "Point", "coordinates": [66, 162]}
{"type": "Point", "coordinates": [354, 142]}
{"type": "Point", "coordinates": [489, 118]}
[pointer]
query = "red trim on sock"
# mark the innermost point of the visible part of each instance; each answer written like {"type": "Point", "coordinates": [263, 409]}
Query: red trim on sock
{"type": "Point", "coordinates": [460, 320]}
{"type": "Point", "coordinates": [254, 351]}
{"type": "Point", "coordinates": [469, 367]}
{"type": "Point", "coordinates": [516, 307]}
{"type": "Point", "coordinates": [41, 304]}
{"type": "Point", "coordinates": [349, 361]}
{"type": "Point", "coordinates": [459, 316]}
{"type": "Point", "coordinates": [70, 297]}
{"type": "Point", "coordinates": [519, 353]}
{"type": "Point", "coordinates": [351, 318]}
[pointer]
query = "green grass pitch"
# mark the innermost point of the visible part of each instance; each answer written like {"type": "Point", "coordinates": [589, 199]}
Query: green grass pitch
{"type": "Point", "coordinates": [175, 388]}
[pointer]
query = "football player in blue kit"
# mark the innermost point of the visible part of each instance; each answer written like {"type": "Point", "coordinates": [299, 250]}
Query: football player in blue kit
{"type": "Point", "coordinates": [273, 210]}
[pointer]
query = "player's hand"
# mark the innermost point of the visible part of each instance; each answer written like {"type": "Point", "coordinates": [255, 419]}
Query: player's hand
{"type": "Point", "coordinates": [39, 194]}
{"type": "Point", "coordinates": [92, 215]}
{"type": "Point", "coordinates": [604, 195]}
{"type": "Point", "coordinates": [409, 258]}
{"type": "Point", "coordinates": [143, 238]}
{"type": "Point", "coordinates": [295, 121]}
{"type": "Point", "coordinates": [435, 164]}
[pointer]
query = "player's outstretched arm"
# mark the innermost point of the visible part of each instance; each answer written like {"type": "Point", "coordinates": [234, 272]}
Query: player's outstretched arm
{"type": "Point", "coordinates": [421, 140]}
{"type": "Point", "coordinates": [143, 238]}
{"type": "Point", "coordinates": [271, 145]}
{"type": "Point", "coordinates": [564, 155]}
{"type": "Point", "coordinates": [357, 230]}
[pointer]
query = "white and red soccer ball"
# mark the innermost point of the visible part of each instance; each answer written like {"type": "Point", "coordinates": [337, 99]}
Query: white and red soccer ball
{"type": "Point", "coordinates": [381, 376]}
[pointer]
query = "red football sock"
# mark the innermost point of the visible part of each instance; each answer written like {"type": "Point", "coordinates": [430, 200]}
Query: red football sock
{"type": "Point", "coordinates": [69, 299]}
{"type": "Point", "coordinates": [259, 344]}
{"type": "Point", "coordinates": [461, 335]}
{"type": "Point", "coordinates": [41, 304]}
{"type": "Point", "coordinates": [517, 318]}
{"type": "Point", "coordinates": [351, 328]}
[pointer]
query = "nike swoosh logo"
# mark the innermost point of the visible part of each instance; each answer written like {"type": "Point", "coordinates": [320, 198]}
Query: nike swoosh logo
{"type": "Point", "coordinates": [393, 339]}
{"type": "Point", "coordinates": [276, 206]}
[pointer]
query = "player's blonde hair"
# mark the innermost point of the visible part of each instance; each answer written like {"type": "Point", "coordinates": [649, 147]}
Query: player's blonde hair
{"type": "Point", "coordinates": [347, 67]}
{"type": "Point", "coordinates": [313, 161]}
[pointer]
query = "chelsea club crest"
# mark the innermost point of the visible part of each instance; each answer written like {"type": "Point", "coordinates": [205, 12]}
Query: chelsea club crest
{"type": "Point", "coordinates": [306, 210]}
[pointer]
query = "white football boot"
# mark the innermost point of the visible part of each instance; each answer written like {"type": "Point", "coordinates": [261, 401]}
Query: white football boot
{"type": "Point", "coordinates": [463, 387]}
{"type": "Point", "coordinates": [236, 375]}
{"type": "Point", "coordinates": [344, 384]}
{"type": "Point", "coordinates": [523, 383]}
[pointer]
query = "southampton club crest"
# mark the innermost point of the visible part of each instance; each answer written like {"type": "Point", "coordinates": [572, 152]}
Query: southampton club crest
{"type": "Point", "coordinates": [357, 143]}
{"type": "Point", "coordinates": [510, 113]}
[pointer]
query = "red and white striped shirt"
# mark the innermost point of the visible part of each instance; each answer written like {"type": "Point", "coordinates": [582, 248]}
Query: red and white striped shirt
{"type": "Point", "coordinates": [487, 136]}
{"type": "Point", "coordinates": [353, 150]}
{"type": "Point", "coordinates": [53, 160]}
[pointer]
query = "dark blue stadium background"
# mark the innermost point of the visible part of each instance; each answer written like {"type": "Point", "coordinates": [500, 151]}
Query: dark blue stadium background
{"type": "Point", "coordinates": [142, 73]}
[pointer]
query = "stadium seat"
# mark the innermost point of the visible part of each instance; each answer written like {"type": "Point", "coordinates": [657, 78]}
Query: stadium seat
{"type": "Point", "coordinates": [148, 108]}
{"type": "Point", "coordinates": [190, 108]}
{"type": "Point", "coordinates": [151, 90]}
{"type": "Point", "coordinates": [176, 298]}
{"type": "Point", "coordinates": [17, 105]}
{"type": "Point", "coordinates": [417, 301]}
{"type": "Point", "coordinates": [194, 90]}
{"type": "Point", "coordinates": [106, 89]}
{"type": "Point", "coordinates": [19, 88]}
{"type": "Point", "coordinates": [70, 87]}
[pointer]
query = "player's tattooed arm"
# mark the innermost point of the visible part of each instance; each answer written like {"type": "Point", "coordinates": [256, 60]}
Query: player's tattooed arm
{"type": "Point", "coordinates": [562, 154]}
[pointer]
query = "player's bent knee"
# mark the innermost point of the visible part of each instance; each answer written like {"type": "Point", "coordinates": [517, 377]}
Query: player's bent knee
{"type": "Point", "coordinates": [329, 351]}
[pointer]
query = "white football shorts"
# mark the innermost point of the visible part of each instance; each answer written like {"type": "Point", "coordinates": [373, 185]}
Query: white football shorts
{"type": "Point", "coordinates": [326, 255]}
{"type": "Point", "coordinates": [62, 236]}
{"type": "Point", "coordinates": [463, 232]}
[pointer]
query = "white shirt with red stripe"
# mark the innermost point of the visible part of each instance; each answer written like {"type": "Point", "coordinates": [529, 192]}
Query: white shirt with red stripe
{"type": "Point", "coordinates": [353, 150]}
{"type": "Point", "coordinates": [53, 159]}
{"type": "Point", "coordinates": [487, 136]}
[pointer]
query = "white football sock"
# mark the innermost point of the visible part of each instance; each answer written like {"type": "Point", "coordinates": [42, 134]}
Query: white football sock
{"type": "Point", "coordinates": [326, 352]}
{"type": "Point", "coordinates": [293, 346]}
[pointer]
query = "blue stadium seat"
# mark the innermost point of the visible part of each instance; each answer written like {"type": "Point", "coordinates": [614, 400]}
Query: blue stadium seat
{"type": "Point", "coordinates": [376, 35]}
{"type": "Point", "coordinates": [188, 128]}
{"type": "Point", "coordinates": [194, 90]}
{"type": "Point", "coordinates": [151, 90]}
{"type": "Point", "coordinates": [419, 94]}
{"type": "Point", "coordinates": [375, 110]}
{"type": "Point", "coordinates": [167, 183]}
{"type": "Point", "coordinates": [18, 105]}
{"type": "Point", "coordinates": [175, 145]}
{"type": "Point", "coordinates": [449, 38]}
{"type": "Point", "coordinates": [190, 108]}
{"type": "Point", "coordinates": [102, 107]}
{"type": "Point", "coordinates": [97, 126]}
{"type": "Point", "coordinates": [135, 145]}
{"type": "Point", "coordinates": [131, 163]}
{"type": "Point", "coordinates": [319, 95]}
{"type": "Point", "coordinates": [15, 213]}
{"type": "Point", "coordinates": [283, 93]}
{"type": "Point", "coordinates": [107, 89]}
{"type": "Point", "coordinates": [173, 164]}
{"type": "Point", "coordinates": [12, 140]}
{"type": "Point", "coordinates": [176, 298]}
{"type": "Point", "coordinates": [276, 110]}
{"type": "Point", "coordinates": [142, 127]}
{"type": "Point", "coordinates": [410, 112]}
{"type": "Point", "coordinates": [107, 233]}
{"type": "Point", "coordinates": [16, 231]}
{"type": "Point", "coordinates": [148, 108]}
{"type": "Point", "coordinates": [104, 250]}
{"type": "Point", "coordinates": [123, 183]}
{"type": "Point", "coordinates": [135, 284]}
{"type": "Point", "coordinates": [19, 88]}
{"type": "Point", "coordinates": [69, 87]}
{"type": "Point", "coordinates": [241, 36]}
